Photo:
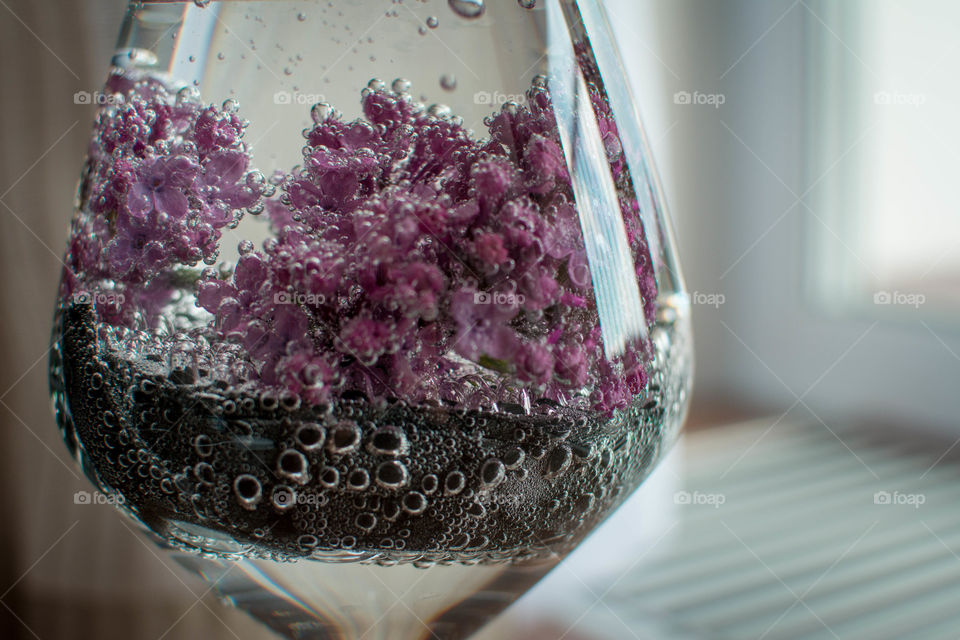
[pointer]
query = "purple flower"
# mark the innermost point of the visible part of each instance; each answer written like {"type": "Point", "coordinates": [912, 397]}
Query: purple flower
{"type": "Point", "coordinates": [571, 366]}
{"type": "Point", "coordinates": [217, 130]}
{"type": "Point", "coordinates": [482, 327]}
{"type": "Point", "coordinates": [160, 187]}
{"type": "Point", "coordinates": [366, 339]}
{"type": "Point", "coordinates": [535, 363]}
{"type": "Point", "coordinates": [222, 187]}
{"type": "Point", "coordinates": [307, 375]}
{"type": "Point", "coordinates": [489, 249]}
{"type": "Point", "coordinates": [545, 164]}
{"type": "Point", "coordinates": [493, 180]}
{"type": "Point", "coordinates": [401, 246]}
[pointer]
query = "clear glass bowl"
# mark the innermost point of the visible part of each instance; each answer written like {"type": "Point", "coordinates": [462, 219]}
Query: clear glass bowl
{"type": "Point", "coordinates": [371, 311]}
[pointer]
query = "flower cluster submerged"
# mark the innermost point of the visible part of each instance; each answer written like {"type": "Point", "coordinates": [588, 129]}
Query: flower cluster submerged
{"type": "Point", "coordinates": [404, 251]}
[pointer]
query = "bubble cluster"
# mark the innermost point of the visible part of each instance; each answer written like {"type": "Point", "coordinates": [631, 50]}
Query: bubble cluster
{"type": "Point", "coordinates": [212, 465]}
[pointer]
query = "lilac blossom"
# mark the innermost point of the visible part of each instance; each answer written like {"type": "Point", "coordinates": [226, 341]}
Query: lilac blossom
{"type": "Point", "coordinates": [402, 246]}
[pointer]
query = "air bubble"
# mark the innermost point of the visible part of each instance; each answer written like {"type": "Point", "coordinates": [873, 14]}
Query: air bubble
{"type": "Point", "coordinates": [292, 464]}
{"type": "Point", "coordinates": [248, 490]}
{"type": "Point", "coordinates": [401, 85]}
{"type": "Point", "coordinates": [492, 473]}
{"type": "Point", "coordinates": [415, 503]}
{"type": "Point", "coordinates": [583, 450]}
{"type": "Point", "coordinates": [289, 400]}
{"type": "Point", "coordinates": [321, 112]}
{"type": "Point", "coordinates": [392, 475]}
{"type": "Point", "coordinates": [269, 401]}
{"type": "Point", "coordinates": [302, 17]}
{"type": "Point", "coordinates": [329, 477]}
{"type": "Point", "coordinates": [391, 510]}
{"type": "Point", "coordinates": [559, 460]}
{"type": "Point", "coordinates": [585, 503]}
{"type": "Point", "coordinates": [310, 436]}
{"type": "Point", "coordinates": [204, 473]}
{"type": "Point", "coordinates": [358, 480]}
{"type": "Point", "coordinates": [430, 484]}
{"type": "Point", "coordinates": [527, 4]}
{"type": "Point", "coordinates": [448, 81]}
{"type": "Point", "coordinates": [366, 521]}
{"type": "Point", "coordinates": [433, 22]}
{"type": "Point", "coordinates": [470, 9]}
{"type": "Point", "coordinates": [344, 438]}
{"type": "Point", "coordinates": [454, 483]}
{"type": "Point", "coordinates": [388, 441]}
{"type": "Point", "coordinates": [513, 458]}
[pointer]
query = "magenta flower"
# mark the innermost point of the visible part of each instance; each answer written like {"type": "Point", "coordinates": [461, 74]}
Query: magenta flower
{"type": "Point", "coordinates": [160, 187]}
{"type": "Point", "coordinates": [483, 332]}
{"type": "Point", "coordinates": [223, 188]}
{"type": "Point", "coordinates": [217, 130]}
{"type": "Point", "coordinates": [366, 339]}
{"type": "Point", "coordinates": [405, 253]}
{"type": "Point", "coordinates": [535, 363]}
{"type": "Point", "coordinates": [489, 249]}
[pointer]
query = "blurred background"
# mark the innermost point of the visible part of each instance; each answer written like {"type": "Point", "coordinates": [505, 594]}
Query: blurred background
{"type": "Point", "coordinates": [808, 151]}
